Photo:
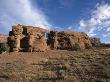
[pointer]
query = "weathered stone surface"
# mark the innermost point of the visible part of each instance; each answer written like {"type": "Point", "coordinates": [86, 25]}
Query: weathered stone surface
{"type": "Point", "coordinates": [66, 40]}
{"type": "Point", "coordinates": [27, 38]}
{"type": "Point", "coordinates": [14, 42]}
{"type": "Point", "coordinates": [17, 30]}
{"type": "Point", "coordinates": [37, 43]}
{"type": "Point", "coordinates": [52, 39]}
{"type": "Point", "coordinates": [33, 30]}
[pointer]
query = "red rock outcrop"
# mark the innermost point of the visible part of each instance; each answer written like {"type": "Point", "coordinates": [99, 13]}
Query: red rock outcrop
{"type": "Point", "coordinates": [66, 40]}
{"type": "Point", "coordinates": [27, 38]}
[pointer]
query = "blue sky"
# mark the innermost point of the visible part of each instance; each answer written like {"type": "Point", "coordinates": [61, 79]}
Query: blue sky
{"type": "Point", "coordinates": [90, 16]}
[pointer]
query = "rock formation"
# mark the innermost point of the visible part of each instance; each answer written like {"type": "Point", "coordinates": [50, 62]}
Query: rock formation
{"type": "Point", "coordinates": [27, 38]}
{"type": "Point", "coordinates": [66, 40]}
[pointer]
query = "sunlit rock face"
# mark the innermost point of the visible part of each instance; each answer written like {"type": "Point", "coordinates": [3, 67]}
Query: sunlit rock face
{"type": "Point", "coordinates": [27, 38]}
{"type": "Point", "coordinates": [67, 40]}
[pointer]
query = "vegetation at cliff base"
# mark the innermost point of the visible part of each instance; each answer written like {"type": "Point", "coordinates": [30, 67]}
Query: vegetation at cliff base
{"type": "Point", "coordinates": [4, 47]}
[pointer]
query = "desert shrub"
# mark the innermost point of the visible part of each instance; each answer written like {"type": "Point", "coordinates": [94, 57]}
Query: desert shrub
{"type": "Point", "coordinates": [4, 47]}
{"type": "Point", "coordinates": [76, 47]}
{"type": "Point", "coordinates": [88, 46]}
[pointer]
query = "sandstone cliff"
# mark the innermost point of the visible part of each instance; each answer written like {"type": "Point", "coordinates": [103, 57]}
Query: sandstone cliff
{"type": "Point", "coordinates": [27, 38]}
{"type": "Point", "coordinates": [66, 40]}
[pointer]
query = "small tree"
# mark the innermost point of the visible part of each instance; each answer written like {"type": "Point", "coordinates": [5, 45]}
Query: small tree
{"type": "Point", "coordinates": [4, 47]}
{"type": "Point", "coordinates": [76, 47]}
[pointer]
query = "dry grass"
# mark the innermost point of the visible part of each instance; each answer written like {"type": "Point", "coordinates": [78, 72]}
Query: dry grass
{"type": "Point", "coordinates": [56, 66]}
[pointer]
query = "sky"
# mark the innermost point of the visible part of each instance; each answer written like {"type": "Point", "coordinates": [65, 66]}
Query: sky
{"type": "Point", "coordinates": [89, 16]}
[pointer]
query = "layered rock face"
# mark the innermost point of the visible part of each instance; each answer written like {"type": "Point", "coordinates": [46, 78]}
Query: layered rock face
{"type": "Point", "coordinates": [27, 38]}
{"type": "Point", "coordinates": [67, 40]}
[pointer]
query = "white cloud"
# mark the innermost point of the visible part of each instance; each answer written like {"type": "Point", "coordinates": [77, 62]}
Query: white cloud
{"type": "Point", "coordinates": [104, 35]}
{"type": "Point", "coordinates": [98, 22]}
{"type": "Point", "coordinates": [82, 23]}
{"type": "Point", "coordinates": [20, 11]}
{"type": "Point", "coordinates": [108, 29]}
{"type": "Point", "coordinates": [70, 28]}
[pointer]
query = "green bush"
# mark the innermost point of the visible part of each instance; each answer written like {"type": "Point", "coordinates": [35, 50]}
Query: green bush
{"type": "Point", "coordinates": [76, 47]}
{"type": "Point", "coordinates": [4, 47]}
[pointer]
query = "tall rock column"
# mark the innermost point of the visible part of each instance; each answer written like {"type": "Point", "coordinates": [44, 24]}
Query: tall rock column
{"type": "Point", "coordinates": [17, 43]}
{"type": "Point", "coordinates": [31, 39]}
{"type": "Point", "coordinates": [53, 42]}
{"type": "Point", "coordinates": [15, 37]}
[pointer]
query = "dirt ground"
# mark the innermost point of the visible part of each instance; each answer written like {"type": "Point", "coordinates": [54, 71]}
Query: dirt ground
{"type": "Point", "coordinates": [92, 65]}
